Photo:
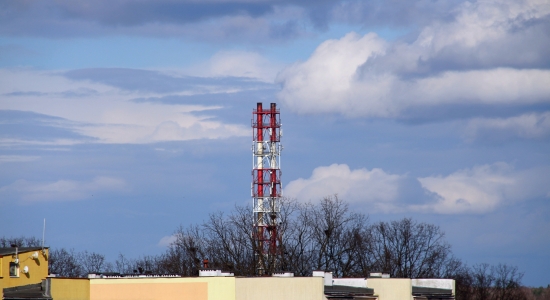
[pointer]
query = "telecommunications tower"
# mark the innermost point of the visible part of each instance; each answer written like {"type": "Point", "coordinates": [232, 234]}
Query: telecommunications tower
{"type": "Point", "coordinates": [266, 186]}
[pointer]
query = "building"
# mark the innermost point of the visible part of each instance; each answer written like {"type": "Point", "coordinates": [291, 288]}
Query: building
{"type": "Point", "coordinates": [216, 285]}
{"type": "Point", "coordinates": [381, 287]}
{"type": "Point", "coordinates": [24, 275]}
{"type": "Point", "coordinates": [174, 287]}
{"type": "Point", "coordinates": [22, 269]}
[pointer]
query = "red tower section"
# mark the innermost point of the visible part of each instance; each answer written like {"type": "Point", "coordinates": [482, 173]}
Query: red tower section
{"type": "Point", "coordinates": [266, 184]}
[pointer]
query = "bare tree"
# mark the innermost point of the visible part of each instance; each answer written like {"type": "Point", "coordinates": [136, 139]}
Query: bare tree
{"type": "Point", "coordinates": [482, 281]}
{"type": "Point", "coordinates": [109, 267]}
{"type": "Point", "coordinates": [123, 265]}
{"type": "Point", "coordinates": [244, 245]}
{"type": "Point", "coordinates": [507, 283]}
{"type": "Point", "coordinates": [184, 254]}
{"type": "Point", "coordinates": [408, 249]}
{"type": "Point", "coordinates": [336, 234]}
{"type": "Point", "coordinates": [500, 282]}
{"type": "Point", "coordinates": [148, 264]}
{"type": "Point", "coordinates": [65, 263]}
{"type": "Point", "coordinates": [297, 241]}
{"type": "Point", "coordinates": [230, 243]}
{"type": "Point", "coordinates": [461, 273]}
{"type": "Point", "coordinates": [92, 262]}
{"type": "Point", "coordinates": [322, 236]}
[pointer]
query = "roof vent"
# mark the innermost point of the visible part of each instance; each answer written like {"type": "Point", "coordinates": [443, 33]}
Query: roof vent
{"type": "Point", "coordinates": [326, 275]}
{"type": "Point", "coordinates": [379, 275]}
{"type": "Point", "coordinates": [214, 273]}
{"type": "Point", "coordinates": [283, 274]}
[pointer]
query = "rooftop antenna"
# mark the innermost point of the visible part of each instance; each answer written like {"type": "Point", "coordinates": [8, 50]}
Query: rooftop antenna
{"type": "Point", "coordinates": [43, 235]}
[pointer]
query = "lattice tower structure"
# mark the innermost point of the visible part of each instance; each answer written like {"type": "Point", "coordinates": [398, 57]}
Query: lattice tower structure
{"type": "Point", "coordinates": [266, 186]}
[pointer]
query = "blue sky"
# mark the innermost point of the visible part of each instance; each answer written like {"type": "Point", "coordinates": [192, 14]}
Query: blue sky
{"type": "Point", "coordinates": [121, 120]}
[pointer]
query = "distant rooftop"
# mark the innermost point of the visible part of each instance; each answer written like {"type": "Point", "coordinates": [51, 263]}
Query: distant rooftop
{"type": "Point", "coordinates": [11, 250]}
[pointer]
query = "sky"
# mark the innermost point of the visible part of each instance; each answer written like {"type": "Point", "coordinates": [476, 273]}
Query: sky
{"type": "Point", "coordinates": [122, 120]}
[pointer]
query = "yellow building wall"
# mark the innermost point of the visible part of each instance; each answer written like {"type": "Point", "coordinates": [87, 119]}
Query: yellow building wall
{"type": "Point", "coordinates": [391, 288]}
{"type": "Point", "coordinates": [69, 288]}
{"type": "Point", "coordinates": [277, 288]}
{"type": "Point", "coordinates": [199, 288]}
{"type": "Point", "coordinates": [38, 269]}
{"type": "Point", "coordinates": [195, 288]}
{"type": "Point", "coordinates": [1, 277]}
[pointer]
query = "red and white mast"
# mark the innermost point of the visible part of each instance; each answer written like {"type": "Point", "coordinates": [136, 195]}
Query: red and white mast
{"type": "Point", "coordinates": [266, 184]}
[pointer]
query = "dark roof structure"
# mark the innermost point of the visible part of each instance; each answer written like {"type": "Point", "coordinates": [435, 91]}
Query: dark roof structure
{"type": "Point", "coordinates": [11, 250]}
{"type": "Point", "coordinates": [427, 293]}
{"type": "Point", "coordinates": [348, 292]}
{"type": "Point", "coordinates": [24, 292]}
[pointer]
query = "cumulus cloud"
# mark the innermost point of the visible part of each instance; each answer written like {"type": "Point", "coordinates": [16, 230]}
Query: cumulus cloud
{"type": "Point", "coordinates": [525, 126]}
{"type": "Point", "coordinates": [323, 83]}
{"type": "Point", "coordinates": [480, 189]}
{"type": "Point", "coordinates": [109, 114]}
{"type": "Point", "coordinates": [482, 34]}
{"type": "Point", "coordinates": [374, 188]}
{"type": "Point", "coordinates": [491, 53]}
{"type": "Point", "coordinates": [484, 188]}
{"type": "Point", "coordinates": [61, 190]}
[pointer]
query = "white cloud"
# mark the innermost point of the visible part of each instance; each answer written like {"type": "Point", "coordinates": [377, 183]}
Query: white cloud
{"type": "Point", "coordinates": [238, 64]}
{"type": "Point", "coordinates": [29, 81]}
{"type": "Point", "coordinates": [480, 189]}
{"type": "Point", "coordinates": [13, 142]}
{"type": "Point", "coordinates": [359, 185]}
{"type": "Point", "coordinates": [149, 123]}
{"type": "Point", "coordinates": [449, 63]}
{"type": "Point", "coordinates": [389, 96]}
{"type": "Point", "coordinates": [526, 126]}
{"type": "Point", "coordinates": [108, 115]}
{"type": "Point", "coordinates": [61, 190]}
{"type": "Point", "coordinates": [478, 23]}
{"type": "Point", "coordinates": [484, 188]}
{"type": "Point", "coordinates": [17, 158]}
{"type": "Point", "coordinates": [324, 82]}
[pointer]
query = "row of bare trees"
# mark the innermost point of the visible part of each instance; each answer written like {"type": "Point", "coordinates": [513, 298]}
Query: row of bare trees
{"type": "Point", "coordinates": [325, 235]}
{"type": "Point", "coordinates": [22, 241]}
{"type": "Point", "coordinates": [538, 293]}
{"type": "Point", "coordinates": [76, 264]}
{"type": "Point", "coordinates": [329, 236]}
